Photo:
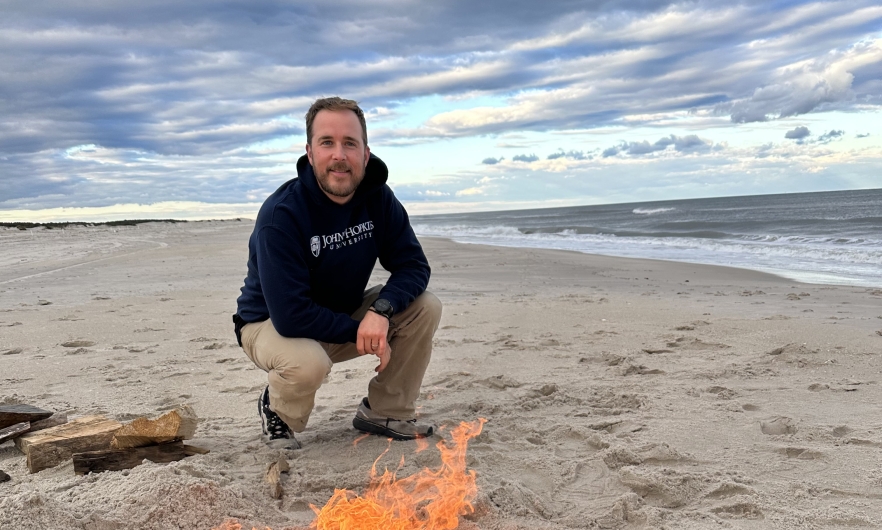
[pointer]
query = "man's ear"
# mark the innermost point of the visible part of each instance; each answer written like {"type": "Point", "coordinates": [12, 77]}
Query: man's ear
{"type": "Point", "coordinates": [367, 155]}
{"type": "Point", "coordinates": [309, 155]}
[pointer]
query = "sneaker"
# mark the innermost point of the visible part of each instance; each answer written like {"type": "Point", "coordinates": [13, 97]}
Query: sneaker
{"type": "Point", "coordinates": [369, 421]}
{"type": "Point", "coordinates": [272, 424]}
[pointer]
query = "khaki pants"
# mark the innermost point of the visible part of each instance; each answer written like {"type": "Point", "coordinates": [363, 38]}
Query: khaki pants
{"type": "Point", "coordinates": [297, 367]}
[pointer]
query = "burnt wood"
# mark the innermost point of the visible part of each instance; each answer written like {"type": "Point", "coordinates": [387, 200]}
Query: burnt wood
{"type": "Point", "coordinates": [12, 414]}
{"type": "Point", "coordinates": [14, 430]}
{"type": "Point", "coordinates": [119, 459]}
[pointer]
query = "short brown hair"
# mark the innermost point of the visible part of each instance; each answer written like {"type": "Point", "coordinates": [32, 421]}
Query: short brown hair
{"type": "Point", "coordinates": [334, 103]}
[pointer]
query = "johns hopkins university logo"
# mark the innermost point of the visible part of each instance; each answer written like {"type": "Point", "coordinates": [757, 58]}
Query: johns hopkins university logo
{"type": "Point", "coordinates": [351, 236]}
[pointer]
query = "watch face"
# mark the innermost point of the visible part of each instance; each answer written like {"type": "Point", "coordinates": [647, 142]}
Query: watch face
{"type": "Point", "coordinates": [383, 306]}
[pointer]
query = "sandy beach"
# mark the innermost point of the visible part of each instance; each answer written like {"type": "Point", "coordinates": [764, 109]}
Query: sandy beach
{"type": "Point", "coordinates": [618, 393]}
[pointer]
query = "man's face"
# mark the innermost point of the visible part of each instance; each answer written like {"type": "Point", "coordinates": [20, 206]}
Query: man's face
{"type": "Point", "coordinates": [338, 153]}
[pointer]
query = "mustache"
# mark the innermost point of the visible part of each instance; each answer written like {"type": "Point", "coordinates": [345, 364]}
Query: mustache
{"type": "Point", "coordinates": [339, 166]}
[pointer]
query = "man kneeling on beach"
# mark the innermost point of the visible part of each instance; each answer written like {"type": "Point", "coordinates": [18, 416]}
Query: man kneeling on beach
{"type": "Point", "coordinates": [304, 305]}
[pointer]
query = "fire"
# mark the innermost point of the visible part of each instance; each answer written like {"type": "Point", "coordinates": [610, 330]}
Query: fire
{"type": "Point", "coordinates": [427, 500]}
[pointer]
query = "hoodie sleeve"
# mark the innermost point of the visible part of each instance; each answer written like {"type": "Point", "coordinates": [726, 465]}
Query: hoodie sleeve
{"type": "Point", "coordinates": [284, 280]}
{"type": "Point", "coordinates": [401, 255]}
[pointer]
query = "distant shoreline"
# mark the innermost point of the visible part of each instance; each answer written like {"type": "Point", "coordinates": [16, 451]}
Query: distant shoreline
{"type": "Point", "coordinates": [125, 222]}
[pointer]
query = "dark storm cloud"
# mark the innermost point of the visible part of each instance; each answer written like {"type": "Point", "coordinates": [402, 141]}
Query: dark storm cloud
{"type": "Point", "coordinates": [798, 133]}
{"type": "Point", "coordinates": [191, 84]}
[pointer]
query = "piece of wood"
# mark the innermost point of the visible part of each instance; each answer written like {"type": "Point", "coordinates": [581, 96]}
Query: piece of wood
{"type": "Point", "coordinates": [179, 424]}
{"type": "Point", "coordinates": [59, 418]}
{"type": "Point", "coordinates": [274, 476]}
{"type": "Point", "coordinates": [12, 414]}
{"type": "Point", "coordinates": [196, 450]}
{"type": "Point", "coordinates": [119, 459]}
{"type": "Point", "coordinates": [52, 446]}
{"type": "Point", "coordinates": [14, 430]}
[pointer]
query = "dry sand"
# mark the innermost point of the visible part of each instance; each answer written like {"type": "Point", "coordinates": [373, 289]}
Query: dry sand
{"type": "Point", "coordinates": [619, 393]}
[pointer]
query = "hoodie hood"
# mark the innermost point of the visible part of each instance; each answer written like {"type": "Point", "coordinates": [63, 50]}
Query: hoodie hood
{"type": "Point", "coordinates": [375, 176]}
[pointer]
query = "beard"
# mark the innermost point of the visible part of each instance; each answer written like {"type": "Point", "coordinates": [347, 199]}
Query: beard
{"type": "Point", "coordinates": [340, 189]}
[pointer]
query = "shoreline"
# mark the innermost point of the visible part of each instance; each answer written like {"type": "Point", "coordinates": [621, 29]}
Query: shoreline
{"type": "Point", "coordinates": [619, 392]}
{"type": "Point", "coordinates": [833, 280]}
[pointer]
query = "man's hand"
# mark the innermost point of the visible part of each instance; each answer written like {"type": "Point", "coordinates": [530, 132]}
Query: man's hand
{"type": "Point", "coordinates": [371, 338]}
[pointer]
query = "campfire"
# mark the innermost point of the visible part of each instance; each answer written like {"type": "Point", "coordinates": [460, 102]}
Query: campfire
{"type": "Point", "coordinates": [427, 500]}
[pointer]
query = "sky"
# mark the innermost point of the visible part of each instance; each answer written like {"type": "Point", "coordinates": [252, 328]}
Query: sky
{"type": "Point", "coordinates": [194, 110]}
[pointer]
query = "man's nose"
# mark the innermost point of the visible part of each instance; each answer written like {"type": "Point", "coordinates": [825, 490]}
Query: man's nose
{"type": "Point", "coordinates": [338, 153]}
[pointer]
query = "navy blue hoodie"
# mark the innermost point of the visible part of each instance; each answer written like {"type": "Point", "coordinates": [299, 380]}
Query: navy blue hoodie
{"type": "Point", "coordinates": [310, 259]}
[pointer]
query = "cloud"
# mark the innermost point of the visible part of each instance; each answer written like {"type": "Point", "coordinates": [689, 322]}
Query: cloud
{"type": "Point", "coordinates": [862, 135]}
{"type": "Point", "coordinates": [525, 158]}
{"type": "Point", "coordinates": [197, 100]}
{"type": "Point", "coordinates": [573, 155]}
{"type": "Point", "coordinates": [682, 144]}
{"type": "Point", "coordinates": [470, 192]}
{"type": "Point", "coordinates": [830, 135]}
{"type": "Point", "coordinates": [798, 133]}
{"type": "Point", "coordinates": [825, 81]}
{"type": "Point", "coordinates": [492, 161]}
{"type": "Point", "coordinates": [771, 168]}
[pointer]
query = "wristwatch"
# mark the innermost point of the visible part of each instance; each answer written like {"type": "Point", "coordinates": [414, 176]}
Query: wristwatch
{"type": "Point", "coordinates": [381, 306]}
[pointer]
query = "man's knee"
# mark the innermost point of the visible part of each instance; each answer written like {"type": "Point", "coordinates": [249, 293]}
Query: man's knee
{"type": "Point", "coordinates": [304, 371]}
{"type": "Point", "coordinates": [430, 307]}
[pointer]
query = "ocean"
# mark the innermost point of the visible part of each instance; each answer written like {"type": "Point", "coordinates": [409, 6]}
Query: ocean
{"type": "Point", "coordinates": [826, 237]}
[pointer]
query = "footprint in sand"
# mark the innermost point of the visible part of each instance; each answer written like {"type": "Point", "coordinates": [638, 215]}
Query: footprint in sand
{"type": "Point", "coordinates": [501, 382]}
{"type": "Point", "coordinates": [741, 510]}
{"type": "Point", "coordinates": [11, 351]}
{"type": "Point", "coordinates": [778, 425]}
{"type": "Point", "coordinates": [721, 392]}
{"type": "Point", "coordinates": [78, 344]}
{"type": "Point", "coordinates": [792, 349]}
{"type": "Point", "coordinates": [801, 453]}
{"type": "Point", "coordinates": [663, 488]}
{"type": "Point", "coordinates": [841, 431]}
{"type": "Point", "coordinates": [686, 343]}
{"type": "Point", "coordinates": [639, 369]}
{"type": "Point", "coordinates": [729, 489]}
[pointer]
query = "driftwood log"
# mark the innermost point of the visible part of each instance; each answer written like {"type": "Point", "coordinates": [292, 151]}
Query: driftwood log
{"type": "Point", "coordinates": [12, 414]}
{"type": "Point", "coordinates": [59, 418]}
{"type": "Point", "coordinates": [119, 459]}
{"type": "Point", "coordinates": [14, 431]}
{"type": "Point", "coordinates": [179, 424]}
{"type": "Point", "coordinates": [52, 446]}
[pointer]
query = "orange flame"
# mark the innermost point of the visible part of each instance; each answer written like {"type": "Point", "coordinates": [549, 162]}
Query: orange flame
{"type": "Point", "coordinates": [427, 500]}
